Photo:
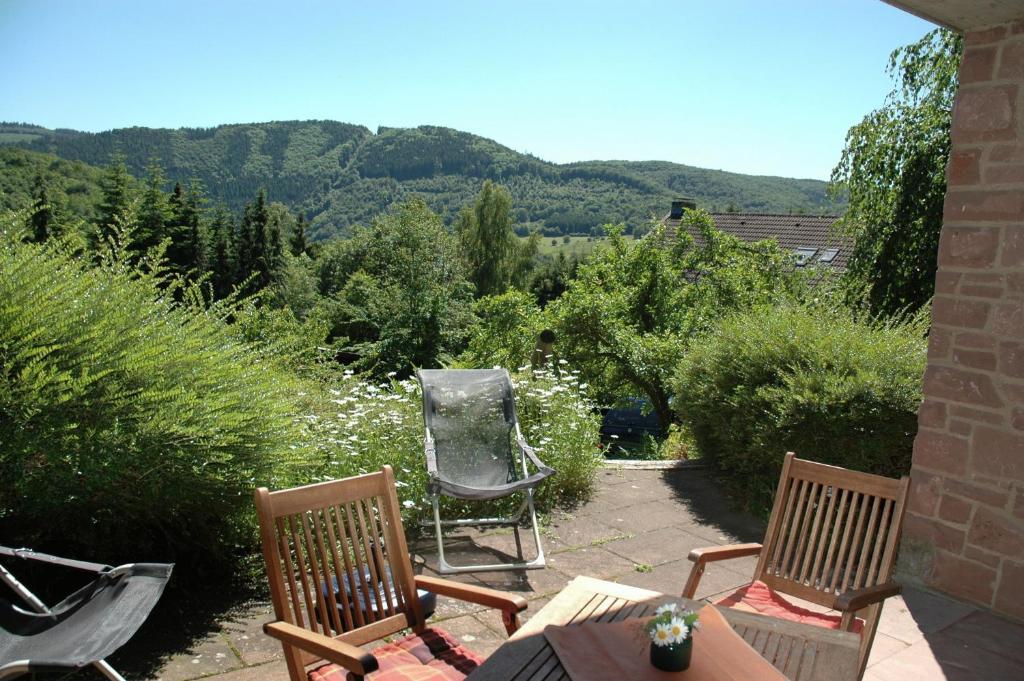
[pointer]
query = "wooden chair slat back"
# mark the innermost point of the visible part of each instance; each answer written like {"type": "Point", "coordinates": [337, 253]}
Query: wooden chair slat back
{"type": "Point", "coordinates": [337, 558]}
{"type": "Point", "coordinates": [831, 530]}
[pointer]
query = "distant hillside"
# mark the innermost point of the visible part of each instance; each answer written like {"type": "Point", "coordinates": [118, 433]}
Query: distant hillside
{"type": "Point", "coordinates": [341, 174]}
{"type": "Point", "coordinates": [73, 186]}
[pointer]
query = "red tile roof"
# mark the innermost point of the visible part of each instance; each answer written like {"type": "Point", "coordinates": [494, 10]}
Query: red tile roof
{"type": "Point", "coordinates": [791, 231]}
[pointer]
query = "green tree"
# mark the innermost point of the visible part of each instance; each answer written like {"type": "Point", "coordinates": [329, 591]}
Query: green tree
{"type": "Point", "coordinates": [298, 237]}
{"type": "Point", "coordinates": [627, 319]}
{"type": "Point", "coordinates": [154, 213]}
{"type": "Point", "coordinates": [189, 250]}
{"type": "Point", "coordinates": [223, 262]}
{"type": "Point", "coordinates": [260, 246]}
{"type": "Point", "coordinates": [43, 217]}
{"type": "Point", "coordinates": [396, 293]}
{"type": "Point", "coordinates": [894, 171]}
{"type": "Point", "coordinates": [118, 194]}
{"type": "Point", "coordinates": [496, 258]}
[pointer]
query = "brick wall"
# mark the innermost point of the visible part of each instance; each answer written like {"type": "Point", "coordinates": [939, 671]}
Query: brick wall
{"type": "Point", "coordinates": [964, 531]}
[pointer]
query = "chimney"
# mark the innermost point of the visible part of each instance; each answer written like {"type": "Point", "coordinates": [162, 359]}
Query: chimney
{"type": "Point", "coordinates": [678, 204]}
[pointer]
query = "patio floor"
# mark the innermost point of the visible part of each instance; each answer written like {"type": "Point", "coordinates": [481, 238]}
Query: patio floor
{"type": "Point", "coordinates": [638, 530]}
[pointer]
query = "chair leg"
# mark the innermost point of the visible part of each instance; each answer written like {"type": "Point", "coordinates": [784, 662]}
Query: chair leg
{"type": "Point", "coordinates": [446, 568]}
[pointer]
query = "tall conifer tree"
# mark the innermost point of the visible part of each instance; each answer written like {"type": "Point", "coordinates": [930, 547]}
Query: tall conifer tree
{"type": "Point", "coordinates": [298, 238]}
{"type": "Point", "coordinates": [154, 209]}
{"type": "Point", "coordinates": [43, 216]}
{"type": "Point", "coordinates": [117, 186]}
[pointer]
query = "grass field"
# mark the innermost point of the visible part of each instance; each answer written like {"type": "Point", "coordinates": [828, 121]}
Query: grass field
{"type": "Point", "coordinates": [578, 246]}
{"type": "Point", "coordinates": [11, 137]}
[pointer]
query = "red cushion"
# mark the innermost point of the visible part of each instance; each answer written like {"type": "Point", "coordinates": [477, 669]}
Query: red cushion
{"type": "Point", "coordinates": [759, 597]}
{"type": "Point", "coordinates": [434, 655]}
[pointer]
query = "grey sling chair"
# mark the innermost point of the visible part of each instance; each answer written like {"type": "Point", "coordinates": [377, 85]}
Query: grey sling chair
{"type": "Point", "coordinates": [476, 451]}
{"type": "Point", "coordinates": [85, 627]}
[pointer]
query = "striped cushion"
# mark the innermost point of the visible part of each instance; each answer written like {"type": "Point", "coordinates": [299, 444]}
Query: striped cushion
{"type": "Point", "coordinates": [759, 597]}
{"type": "Point", "coordinates": [434, 655]}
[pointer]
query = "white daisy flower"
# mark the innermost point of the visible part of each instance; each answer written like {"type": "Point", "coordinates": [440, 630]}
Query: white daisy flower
{"type": "Point", "coordinates": [662, 635]}
{"type": "Point", "coordinates": [678, 629]}
{"type": "Point", "coordinates": [662, 609]}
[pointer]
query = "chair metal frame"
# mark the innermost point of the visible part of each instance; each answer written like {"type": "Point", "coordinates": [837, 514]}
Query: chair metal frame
{"type": "Point", "coordinates": [446, 568]}
{"type": "Point", "coordinates": [527, 509]}
{"type": "Point", "coordinates": [809, 550]}
{"type": "Point", "coordinates": [19, 667]}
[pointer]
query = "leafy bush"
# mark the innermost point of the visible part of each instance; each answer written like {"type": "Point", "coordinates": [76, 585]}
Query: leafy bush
{"type": "Point", "coordinates": [357, 426]}
{"type": "Point", "coordinates": [629, 316]}
{"type": "Point", "coordinates": [131, 427]}
{"type": "Point", "coordinates": [395, 294]}
{"type": "Point", "coordinates": [505, 333]}
{"type": "Point", "coordinates": [817, 382]}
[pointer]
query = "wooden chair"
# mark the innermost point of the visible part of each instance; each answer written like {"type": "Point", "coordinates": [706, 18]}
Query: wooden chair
{"type": "Point", "coordinates": [831, 540]}
{"type": "Point", "coordinates": [341, 577]}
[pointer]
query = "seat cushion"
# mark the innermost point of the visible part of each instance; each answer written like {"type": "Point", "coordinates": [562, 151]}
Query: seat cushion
{"type": "Point", "coordinates": [433, 655]}
{"type": "Point", "coordinates": [760, 598]}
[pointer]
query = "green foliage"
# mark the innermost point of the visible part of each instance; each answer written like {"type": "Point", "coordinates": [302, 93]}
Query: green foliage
{"type": "Point", "coordinates": [551, 276]}
{"type": "Point", "coordinates": [342, 175]}
{"type": "Point", "coordinates": [117, 197]}
{"type": "Point", "coordinates": [72, 187]}
{"type": "Point", "coordinates": [894, 171]}
{"type": "Point", "coordinates": [628, 318]}
{"type": "Point", "coordinates": [154, 213]}
{"type": "Point", "coordinates": [505, 333]}
{"type": "Point", "coordinates": [132, 427]}
{"type": "Point", "coordinates": [396, 293]}
{"type": "Point", "coordinates": [357, 426]}
{"type": "Point", "coordinates": [812, 380]}
{"type": "Point", "coordinates": [495, 257]}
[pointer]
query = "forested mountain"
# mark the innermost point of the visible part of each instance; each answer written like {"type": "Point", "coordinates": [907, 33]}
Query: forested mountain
{"type": "Point", "coordinates": [340, 175]}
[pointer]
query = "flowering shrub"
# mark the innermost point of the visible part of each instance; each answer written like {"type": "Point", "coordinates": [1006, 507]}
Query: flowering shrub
{"type": "Point", "coordinates": [355, 426]}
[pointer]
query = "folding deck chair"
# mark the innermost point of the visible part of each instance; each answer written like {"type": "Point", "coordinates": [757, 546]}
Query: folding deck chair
{"type": "Point", "coordinates": [471, 429]}
{"type": "Point", "coordinates": [85, 627]}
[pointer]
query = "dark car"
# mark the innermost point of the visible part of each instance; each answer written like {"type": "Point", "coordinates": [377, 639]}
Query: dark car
{"type": "Point", "coordinates": [633, 418]}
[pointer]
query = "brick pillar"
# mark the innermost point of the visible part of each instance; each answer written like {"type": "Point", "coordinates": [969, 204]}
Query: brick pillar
{"type": "Point", "coordinates": [964, 531]}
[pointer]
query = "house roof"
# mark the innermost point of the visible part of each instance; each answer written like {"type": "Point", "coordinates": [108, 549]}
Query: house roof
{"type": "Point", "coordinates": [811, 232]}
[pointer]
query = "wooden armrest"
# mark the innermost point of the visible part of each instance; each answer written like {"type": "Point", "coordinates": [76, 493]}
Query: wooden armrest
{"type": "Point", "coordinates": [509, 604]}
{"type": "Point", "coordinates": [714, 553]}
{"type": "Point", "coordinates": [701, 557]}
{"type": "Point", "coordinates": [855, 599]}
{"type": "Point", "coordinates": [354, 659]}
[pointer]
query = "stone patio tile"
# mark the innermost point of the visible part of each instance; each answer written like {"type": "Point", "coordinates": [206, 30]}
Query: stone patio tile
{"type": "Point", "coordinates": [212, 655]}
{"type": "Point", "coordinates": [529, 584]}
{"type": "Point", "coordinates": [650, 488]}
{"type": "Point", "coordinates": [615, 476]}
{"type": "Point", "coordinates": [245, 633]}
{"type": "Point", "coordinates": [504, 541]}
{"type": "Point", "coordinates": [661, 546]}
{"type": "Point", "coordinates": [670, 578]}
{"type": "Point", "coordinates": [604, 499]}
{"type": "Point", "coordinates": [448, 608]}
{"type": "Point", "coordinates": [884, 647]}
{"type": "Point", "coordinates": [593, 561]}
{"type": "Point", "coordinates": [982, 630]}
{"type": "Point", "coordinates": [573, 532]}
{"type": "Point", "coordinates": [472, 632]}
{"type": "Point", "coordinates": [914, 613]}
{"type": "Point", "coordinates": [273, 671]}
{"type": "Point", "coordinates": [464, 549]}
{"type": "Point", "coordinates": [939, 656]}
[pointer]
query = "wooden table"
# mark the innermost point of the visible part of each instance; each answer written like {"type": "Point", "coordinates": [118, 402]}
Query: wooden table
{"type": "Point", "coordinates": [800, 651]}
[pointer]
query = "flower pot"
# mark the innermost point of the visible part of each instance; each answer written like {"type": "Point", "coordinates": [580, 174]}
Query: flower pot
{"type": "Point", "coordinates": [672, 658]}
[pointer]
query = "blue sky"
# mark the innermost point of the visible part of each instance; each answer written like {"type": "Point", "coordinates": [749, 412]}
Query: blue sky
{"type": "Point", "coordinates": [748, 86]}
